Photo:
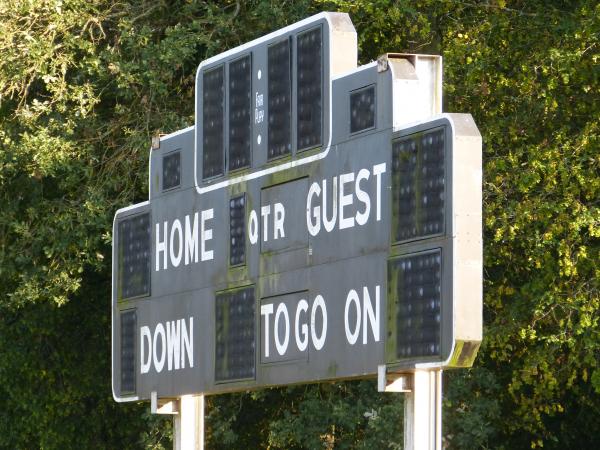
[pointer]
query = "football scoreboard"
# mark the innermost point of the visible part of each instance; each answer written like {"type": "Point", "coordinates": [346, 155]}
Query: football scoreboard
{"type": "Point", "coordinates": [318, 221]}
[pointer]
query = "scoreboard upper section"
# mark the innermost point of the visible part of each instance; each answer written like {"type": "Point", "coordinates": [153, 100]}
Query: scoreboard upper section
{"type": "Point", "coordinates": [270, 98]}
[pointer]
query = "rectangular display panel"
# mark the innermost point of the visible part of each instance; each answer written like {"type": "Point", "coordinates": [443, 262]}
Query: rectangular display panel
{"type": "Point", "coordinates": [240, 95]}
{"type": "Point", "coordinates": [237, 228]}
{"type": "Point", "coordinates": [280, 99]}
{"type": "Point", "coordinates": [128, 327]}
{"type": "Point", "coordinates": [416, 287]}
{"type": "Point", "coordinates": [213, 94]}
{"type": "Point", "coordinates": [171, 172]}
{"type": "Point", "coordinates": [309, 62]}
{"type": "Point", "coordinates": [418, 164]}
{"type": "Point", "coordinates": [235, 336]}
{"type": "Point", "coordinates": [134, 256]}
{"type": "Point", "coordinates": [362, 109]}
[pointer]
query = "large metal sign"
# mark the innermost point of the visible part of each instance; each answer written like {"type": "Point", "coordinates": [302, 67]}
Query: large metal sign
{"type": "Point", "coordinates": [318, 221]}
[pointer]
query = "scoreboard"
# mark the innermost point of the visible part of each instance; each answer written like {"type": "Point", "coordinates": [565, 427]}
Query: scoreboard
{"type": "Point", "coordinates": [318, 221]}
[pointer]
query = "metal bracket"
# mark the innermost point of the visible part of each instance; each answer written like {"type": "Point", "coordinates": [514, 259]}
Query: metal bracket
{"type": "Point", "coordinates": [417, 85]}
{"type": "Point", "coordinates": [422, 405]}
{"type": "Point", "coordinates": [188, 426]}
{"type": "Point", "coordinates": [393, 382]}
{"type": "Point", "coordinates": [163, 405]}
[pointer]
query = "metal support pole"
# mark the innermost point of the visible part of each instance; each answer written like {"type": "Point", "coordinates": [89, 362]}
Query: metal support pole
{"type": "Point", "coordinates": [188, 432]}
{"type": "Point", "coordinates": [423, 411]}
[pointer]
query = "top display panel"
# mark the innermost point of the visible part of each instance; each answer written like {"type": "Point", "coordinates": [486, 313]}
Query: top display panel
{"type": "Point", "coordinates": [269, 101]}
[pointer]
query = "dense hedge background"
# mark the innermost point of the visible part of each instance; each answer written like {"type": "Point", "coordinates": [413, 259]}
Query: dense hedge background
{"type": "Point", "coordinates": [85, 84]}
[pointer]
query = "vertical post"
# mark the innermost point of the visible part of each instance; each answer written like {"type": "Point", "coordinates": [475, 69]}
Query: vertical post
{"type": "Point", "coordinates": [423, 411]}
{"type": "Point", "coordinates": [188, 429]}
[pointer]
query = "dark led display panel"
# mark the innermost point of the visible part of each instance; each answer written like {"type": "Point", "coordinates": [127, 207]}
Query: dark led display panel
{"type": "Point", "coordinates": [213, 94]}
{"type": "Point", "coordinates": [134, 256]}
{"type": "Point", "coordinates": [419, 185]}
{"type": "Point", "coordinates": [171, 170]}
{"type": "Point", "coordinates": [309, 63]}
{"type": "Point", "coordinates": [280, 99]}
{"type": "Point", "coordinates": [237, 226]}
{"type": "Point", "coordinates": [235, 339]}
{"type": "Point", "coordinates": [362, 109]}
{"type": "Point", "coordinates": [240, 95]}
{"type": "Point", "coordinates": [416, 282]}
{"type": "Point", "coordinates": [128, 324]}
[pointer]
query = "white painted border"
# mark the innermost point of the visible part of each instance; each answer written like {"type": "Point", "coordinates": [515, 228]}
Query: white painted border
{"type": "Point", "coordinates": [294, 163]}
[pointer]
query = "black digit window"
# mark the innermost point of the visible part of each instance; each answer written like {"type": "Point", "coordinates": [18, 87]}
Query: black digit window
{"type": "Point", "coordinates": [240, 95]}
{"type": "Point", "coordinates": [419, 185]}
{"type": "Point", "coordinates": [128, 328]}
{"type": "Point", "coordinates": [280, 99]}
{"type": "Point", "coordinates": [171, 170]}
{"type": "Point", "coordinates": [134, 256]}
{"type": "Point", "coordinates": [213, 95]}
{"type": "Point", "coordinates": [417, 281]}
{"type": "Point", "coordinates": [235, 335]}
{"type": "Point", "coordinates": [362, 109]}
{"type": "Point", "coordinates": [237, 227]}
{"type": "Point", "coordinates": [310, 88]}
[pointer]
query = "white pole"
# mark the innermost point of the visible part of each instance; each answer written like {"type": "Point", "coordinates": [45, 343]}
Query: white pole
{"type": "Point", "coordinates": [438, 409]}
{"type": "Point", "coordinates": [201, 424]}
{"type": "Point", "coordinates": [188, 432]}
{"type": "Point", "coordinates": [423, 411]}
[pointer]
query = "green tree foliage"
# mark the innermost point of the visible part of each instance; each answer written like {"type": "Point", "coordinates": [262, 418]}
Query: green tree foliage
{"type": "Point", "coordinates": [83, 87]}
{"type": "Point", "coordinates": [55, 380]}
{"type": "Point", "coordinates": [329, 415]}
{"type": "Point", "coordinates": [530, 77]}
